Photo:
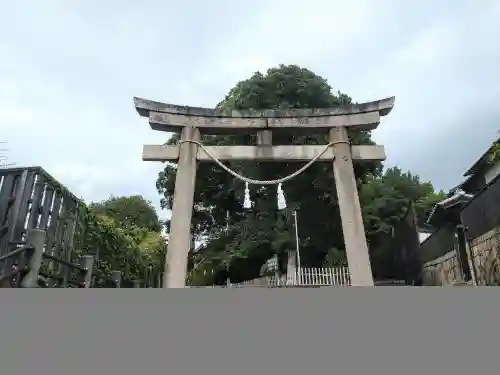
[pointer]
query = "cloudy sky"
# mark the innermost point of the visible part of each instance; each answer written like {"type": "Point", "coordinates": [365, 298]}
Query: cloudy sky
{"type": "Point", "coordinates": [69, 70]}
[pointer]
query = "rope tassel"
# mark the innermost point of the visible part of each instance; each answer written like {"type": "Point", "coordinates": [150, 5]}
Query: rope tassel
{"type": "Point", "coordinates": [281, 198]}
{"type": "Point", "coordinates": [247, 203]}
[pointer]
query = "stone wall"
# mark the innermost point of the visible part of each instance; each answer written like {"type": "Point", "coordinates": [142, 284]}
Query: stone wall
{"type": "Point", "coordinates": [485, 253]}
{"type": "Point", "coordinates": [441, 271]}
{"type": "Point", "coordinates": [484, 259]}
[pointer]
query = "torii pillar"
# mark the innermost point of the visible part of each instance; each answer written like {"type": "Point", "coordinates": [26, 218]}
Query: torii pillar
{"type": "Point", "coordinates": [191, 121]}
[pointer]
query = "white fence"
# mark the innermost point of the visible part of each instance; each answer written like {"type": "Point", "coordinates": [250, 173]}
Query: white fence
{"type": "Point", "coordinates": [304, 277]}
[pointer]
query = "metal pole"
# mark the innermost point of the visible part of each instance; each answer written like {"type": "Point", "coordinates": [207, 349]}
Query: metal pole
{"type": "Point", "coordinates": [36, 240]}
{"type": "Point", "coordinates": [86, 262]}
{"type": "Point", "coordinates": [297, 239]}
{"type": "Point", "coordinates": [116, 277]}
{"type": "Point", "coordinates": [228, 280]}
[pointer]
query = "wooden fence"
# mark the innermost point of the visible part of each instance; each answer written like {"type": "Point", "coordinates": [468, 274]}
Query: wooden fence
{"type": "Point", "coordinates": [32, 201]}
{"type": "Point", "coordinates": [23, 267]}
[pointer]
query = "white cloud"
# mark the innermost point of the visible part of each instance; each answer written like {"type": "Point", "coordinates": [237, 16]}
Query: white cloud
{"type": "Point", "coordinates": [446, 87]}
{"type": "Point", "coordinates": [428, 48]}
{"type": "Point", "coordinates": [15, 116]}
{"type": "Point", "coordinates": [290, 32]}
{"type": "Point", "coordinates": [69, 77]}
{"type": "Point", "coordinates": [496, 10]}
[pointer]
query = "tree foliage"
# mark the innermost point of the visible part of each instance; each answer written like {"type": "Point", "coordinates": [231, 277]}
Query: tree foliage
{"type": "Point", "coordinates": [494, 153]}
{"type": "Point", "coordinates": [385, 199]}
{"type": "Point", "coordinates": [124, 234]}
{"type": "Point", "coordinates": [129, 211]}
{"type": "Point", "coordinates": [255, 235]}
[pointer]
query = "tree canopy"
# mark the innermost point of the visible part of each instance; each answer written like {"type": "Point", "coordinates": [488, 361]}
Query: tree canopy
{"type": "Point", "coordinates": [124, 234]}
{"type": "Point", "coordinates": [129, 211]}
{"type": "Point", "coordinates": [255, 235]}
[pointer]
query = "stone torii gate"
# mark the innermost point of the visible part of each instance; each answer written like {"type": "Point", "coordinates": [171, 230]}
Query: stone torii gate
{"type": "Point", "coordinates": [194, 121]}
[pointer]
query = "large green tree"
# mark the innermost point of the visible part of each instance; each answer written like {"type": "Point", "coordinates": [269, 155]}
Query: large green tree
{"type": "Point", "coordinates": [124, 234]}
{"type": "Point", "coordinates": [385, 199]}
{"type": "Point", "coordinates": [129, 211]}
{"type": "Point", "coordinates": [254, 235]}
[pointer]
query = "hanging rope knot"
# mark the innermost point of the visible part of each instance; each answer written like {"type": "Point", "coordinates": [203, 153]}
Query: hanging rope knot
{"type": "Point", "coordinates": [281, 196]}
{"type": "Point", "coordinates": [246, 202]}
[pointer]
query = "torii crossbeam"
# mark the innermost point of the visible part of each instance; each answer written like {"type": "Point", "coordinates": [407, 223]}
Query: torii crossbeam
{"type": "Point", "coordinates": [191, 122]}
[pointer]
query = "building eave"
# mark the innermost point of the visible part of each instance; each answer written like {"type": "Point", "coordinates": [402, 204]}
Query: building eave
{"type": "Point", "coordinates": [481, 162]}
{"type": "Point", "coordinates": [455, 203]}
